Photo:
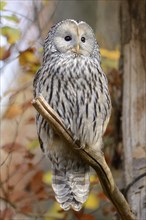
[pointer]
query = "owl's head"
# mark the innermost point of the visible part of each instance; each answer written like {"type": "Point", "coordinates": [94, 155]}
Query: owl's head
{"type": "Point", "coordinates": [72, 37]}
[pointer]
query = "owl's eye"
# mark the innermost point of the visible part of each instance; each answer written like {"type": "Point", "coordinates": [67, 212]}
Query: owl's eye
{"type": "Point", "coordinates": [83, 39]}
{"type": "Point", "coordinates": [67, 38]}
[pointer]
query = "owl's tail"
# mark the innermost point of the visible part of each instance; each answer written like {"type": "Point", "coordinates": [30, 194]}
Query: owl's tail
{"type": "Point", "coordinates": [70, 182]}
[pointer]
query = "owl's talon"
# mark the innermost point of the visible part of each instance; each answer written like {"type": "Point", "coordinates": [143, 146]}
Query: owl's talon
{"type": "Point", "coordinates": [80, 146]}
{"type": "Point", "coordinates": [68, 127]}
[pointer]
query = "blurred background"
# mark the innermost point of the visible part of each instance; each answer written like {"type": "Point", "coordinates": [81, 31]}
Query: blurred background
{"type": "Point", "coordinates": [25, 182]}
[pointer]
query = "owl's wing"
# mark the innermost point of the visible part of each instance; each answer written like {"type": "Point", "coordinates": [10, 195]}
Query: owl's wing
{"type": "Point", "coordinates": [35, 83]}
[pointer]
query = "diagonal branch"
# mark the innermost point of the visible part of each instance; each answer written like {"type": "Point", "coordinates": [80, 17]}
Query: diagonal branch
{"type": "Point", "coordinates": [94, 158]}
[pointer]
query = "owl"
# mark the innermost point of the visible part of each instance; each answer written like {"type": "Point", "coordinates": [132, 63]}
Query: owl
{"type": "Point", "coordinates": [73, 83]}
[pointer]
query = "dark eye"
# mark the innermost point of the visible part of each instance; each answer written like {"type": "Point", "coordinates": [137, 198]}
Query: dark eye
{"type": "Point", "coordinates": [83, 39]}
{"type": "Point", "coordinates": [67, 38]}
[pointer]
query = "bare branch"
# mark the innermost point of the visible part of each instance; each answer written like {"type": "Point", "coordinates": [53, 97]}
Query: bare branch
{"type": "Point", "coordinates": [94, 158]}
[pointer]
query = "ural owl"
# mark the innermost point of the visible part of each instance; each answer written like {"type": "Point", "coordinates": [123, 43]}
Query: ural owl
{"type": "Point", "coordinates": [72, 82]}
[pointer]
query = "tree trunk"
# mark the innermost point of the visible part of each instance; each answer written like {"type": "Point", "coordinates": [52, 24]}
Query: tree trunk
{"type": "Point", "coordinates": [133, 29]}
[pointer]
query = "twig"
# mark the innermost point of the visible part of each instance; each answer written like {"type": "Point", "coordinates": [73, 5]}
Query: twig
{"type": "Point", "coordinates": [94, 158]}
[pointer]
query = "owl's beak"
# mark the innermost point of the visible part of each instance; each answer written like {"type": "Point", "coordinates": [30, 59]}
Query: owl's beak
{"type": "Point", "coordinates": [76, 49]}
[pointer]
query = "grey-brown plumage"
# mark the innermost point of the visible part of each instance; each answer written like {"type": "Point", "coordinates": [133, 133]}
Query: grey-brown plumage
{"type": "Point", "coordinates": [73, 83]}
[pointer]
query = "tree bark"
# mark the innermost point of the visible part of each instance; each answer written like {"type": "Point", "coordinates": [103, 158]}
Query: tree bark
{"type": "Point", "coordinates": [133, 30]}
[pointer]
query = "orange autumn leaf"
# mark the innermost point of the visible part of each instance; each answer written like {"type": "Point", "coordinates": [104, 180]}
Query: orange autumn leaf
{"type": "Point", "coordinates": [27, 208]}
{"type": "Point", "coordinates": [4, 53]}
{"type": "Point", "coordinates": [17, 196]}
{"type": "Point", "coordinates": [36, 182]}
{"type": "Point", "coordinates": [13, 111]}
{"type": "Point", "coordinates": [29, 61]}
{"type": "Point", "coordinates": [102, 196]}
{"type": "Point", "coordinates": [82, 216]}
{"type": "Point", "coordinates": [87, 217]}
{"type": "Point", "coordinates": [108, 209]}
{"type": "Point", "coordinates": [28, 56]}
{"type": "Point", "coordinates": [42, 194]}
{"type": "Point", "coordinates": [9, 147]}
{"type": "Point", "coordinates": [30, 120]}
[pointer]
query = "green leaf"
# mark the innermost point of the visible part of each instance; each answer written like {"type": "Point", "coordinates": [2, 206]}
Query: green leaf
{"type": "Point", "coordinates": [2, 5]}
{"type": "Point", "coordinates": [113, 55]}
{"type": "Point", "coordinates": [92, 202]}
{"type": "Point", "coordinates": [12, 34]}
{"type": "Point", "coordinates": [47, 177]}
{"type": "Point", "coordinates": [33, 144]}
{"type": "Point", "coordinates": [11, 18]}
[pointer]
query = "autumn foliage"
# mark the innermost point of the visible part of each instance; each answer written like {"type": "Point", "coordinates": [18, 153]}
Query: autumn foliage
{"type": "Point", "coordinates": [25, 180]}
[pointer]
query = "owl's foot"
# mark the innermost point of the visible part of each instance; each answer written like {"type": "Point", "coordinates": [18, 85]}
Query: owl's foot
{"type": "Point", "coordinates": [80, 146]}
